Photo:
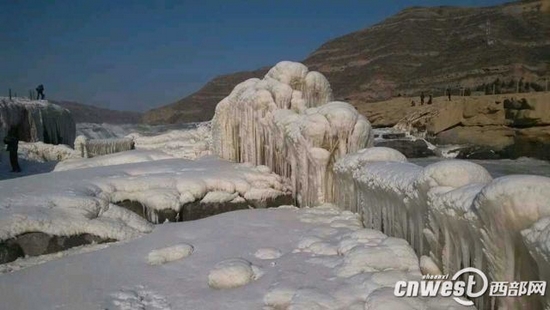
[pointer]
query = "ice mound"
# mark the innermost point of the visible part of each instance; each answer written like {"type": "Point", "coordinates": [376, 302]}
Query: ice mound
{"type": "Point", "coordinates": [287, 122]}
{"type": "Point", "coordinates": [169, 254]}
{"type": "Point", "coordinates": [233, 273]}
{"type": "Point", "coordinates": [454, 215]}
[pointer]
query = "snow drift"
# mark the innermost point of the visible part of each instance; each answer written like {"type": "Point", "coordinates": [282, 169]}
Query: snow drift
{"type": "Point", "coordinates": [288, 122]}
{"type": "Point", "coordinates": [36, 121]}
{"type": "Point", "coordinates": [454, 215]}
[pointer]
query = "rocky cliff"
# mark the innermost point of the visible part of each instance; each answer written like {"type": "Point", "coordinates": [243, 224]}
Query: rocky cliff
{"type": "Point", "coordinates": [419, 49]}
{"type": "Point", "coordinates": [507, 126]}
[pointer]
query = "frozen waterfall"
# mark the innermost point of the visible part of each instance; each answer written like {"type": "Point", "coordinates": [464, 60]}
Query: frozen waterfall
{"type": "Point", "coordinates": [288, 122]}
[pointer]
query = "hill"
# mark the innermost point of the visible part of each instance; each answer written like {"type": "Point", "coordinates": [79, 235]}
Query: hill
{"type": "Point", "coordinates": [418, 49]}
{"type": "Point", "coordinates": [83, 113]}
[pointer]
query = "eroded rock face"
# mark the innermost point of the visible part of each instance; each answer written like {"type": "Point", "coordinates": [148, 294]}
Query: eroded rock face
{"type": "Point", "coordinates": [38, 243]}
{"type": "Point", "coordinates": [500, 126]}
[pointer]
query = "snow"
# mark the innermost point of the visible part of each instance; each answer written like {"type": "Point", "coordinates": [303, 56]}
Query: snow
{"type": "Point", "coordinates": [169, 254]}
{"type": "Point", "coordinates": [63, 203]}
{"type": "Point", "coordinates": [186, 143]}
{"type": "Point", "coordinates": [232, 273]}
{"type": "Point", "coordinates": [268, 253]}
{"type": "Point", "coordinates": [36, 120]}
{"type": "Point", "coordinates": [127, 157]}
{"type": "Point", "coordinates": [223, 273]}
{"type": "Point", "coordinates": [288, 122]}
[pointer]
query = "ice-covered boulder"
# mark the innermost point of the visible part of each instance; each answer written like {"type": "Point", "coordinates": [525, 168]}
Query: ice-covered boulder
{"type": "Point", "coordinates": [288, 122]}
{"type": "Point", "coordinates": [36, 121]}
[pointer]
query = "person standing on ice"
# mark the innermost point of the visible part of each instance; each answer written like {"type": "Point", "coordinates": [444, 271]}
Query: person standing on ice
{"type": "Point", "coordinates": [422, 98]}
{"type": "Point", "coordinates": [449, 93]}
{"type": "Point", "coordinates": [40, 92]}
{"type": "Point", "coordinates": [12, 144]}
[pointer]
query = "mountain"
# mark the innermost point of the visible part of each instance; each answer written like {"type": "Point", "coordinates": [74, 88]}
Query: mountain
{"type": "Point", "coordinates": [83, 113]}
{"type": "Point", "coordinates": [200, 106]}
{"type": "Point", "coordinates": [419, 49]}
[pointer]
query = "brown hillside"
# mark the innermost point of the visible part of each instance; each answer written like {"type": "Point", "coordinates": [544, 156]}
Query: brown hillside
{"type": "Point", "coordinates": [419, 49]}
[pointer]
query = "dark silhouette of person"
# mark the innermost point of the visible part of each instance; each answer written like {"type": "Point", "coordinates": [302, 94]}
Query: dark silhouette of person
{"type": "Point", "coordinates": [449, 93]}
{"type": "Point", "coordinates": [422, 98]}
{"type": "Point", "coordinates": [40, 92]}
{"type": "Point", "coordinates": [430, 99]}
{"type": "Point", "coordinates": [12, 144]}
{"type": "Point", "coordinates": [413, 103]}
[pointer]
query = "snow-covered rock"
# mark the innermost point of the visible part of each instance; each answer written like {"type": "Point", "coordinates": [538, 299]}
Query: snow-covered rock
{"type": "Point", "coordinates": [36, 120]}
{"type": "Point", "coordinates": [63, 203]}
{"type": "Point", "coordinates": [288, 122]}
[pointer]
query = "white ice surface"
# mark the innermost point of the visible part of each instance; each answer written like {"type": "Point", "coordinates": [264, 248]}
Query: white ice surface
{"type": "Point", "coordinates": [364, 270]}
{"type": "Point", "coordinates": [66, 203]}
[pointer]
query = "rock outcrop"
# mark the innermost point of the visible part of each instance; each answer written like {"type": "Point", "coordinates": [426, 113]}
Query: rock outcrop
{"type": "Point", "coordinates": [508, 125]}
{"type": "Point", "coordinates": [419, 49]}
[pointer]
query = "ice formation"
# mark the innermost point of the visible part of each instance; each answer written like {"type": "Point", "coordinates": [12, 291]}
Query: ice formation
{"type": "Point", "coordinates": [454, 215]}
{"type": "Point", "coordinates": [88, 148]}
{"type": "Point", "coordinates": [36, 121]}
{"type": "Point", "coordinates": [70, 205]}
{"type": "Point", "coordinates": [42, 152]}
{"type": "Point", "coordinates": [288, 122]}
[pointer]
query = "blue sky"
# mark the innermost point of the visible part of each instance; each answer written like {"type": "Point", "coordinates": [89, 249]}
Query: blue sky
{"type": "Point", "coordinates": [137, 55]}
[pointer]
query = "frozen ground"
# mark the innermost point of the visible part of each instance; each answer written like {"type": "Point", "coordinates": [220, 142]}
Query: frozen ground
{"type": "Point", "coordinates": [324, 260]}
